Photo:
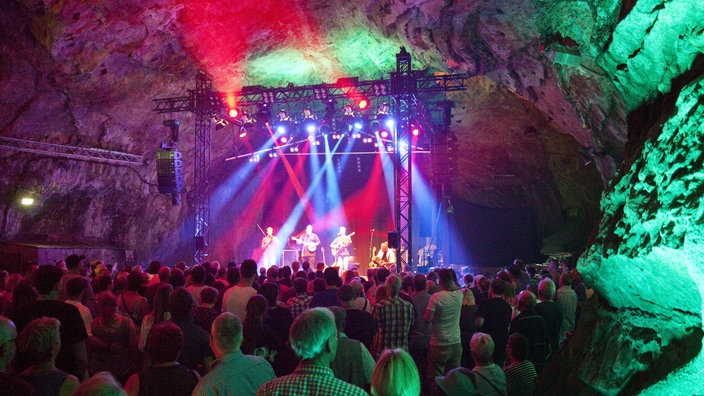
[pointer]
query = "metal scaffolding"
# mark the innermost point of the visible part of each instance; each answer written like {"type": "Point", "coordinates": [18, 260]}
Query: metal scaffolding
{"type": "Point", "coordinates": [71, 152]}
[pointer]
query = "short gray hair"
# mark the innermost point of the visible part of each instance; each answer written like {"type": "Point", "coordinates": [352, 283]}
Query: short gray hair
{"type": "Point", "coordinates": [393, 285]}
{"type": "Point", "coordinates": [227, 331]}
{"type": "Point", "coordinates": [311, 331]}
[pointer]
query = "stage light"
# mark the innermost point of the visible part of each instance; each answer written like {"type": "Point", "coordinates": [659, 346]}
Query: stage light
{"type": "Point", "coordinates": [283, 139]}
{"type": "Point", "coordinates": [358, 125]}
{"type": "Point", "coordinates": [384, 134]}
{"type": "Point", "coordinates": [389, 123]}
{"type": "Point", "coordinates": [220, 123]}
{"type": "Point", "coordinates": [280, 129]}
{"type": "Point", "coordinates": [27, 201]}
{"type": "Point", "coordinates": [415, 131]}
{"type": "Point", "coordinates": [362, 103]}
{"type": "Point", "coordinates": [243, 132]}
{"type": "Point", "coordinates": [233, 113]}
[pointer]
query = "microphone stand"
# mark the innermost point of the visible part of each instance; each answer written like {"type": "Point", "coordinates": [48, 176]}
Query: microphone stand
{"type": "Point", "coordinates": [371, 244]}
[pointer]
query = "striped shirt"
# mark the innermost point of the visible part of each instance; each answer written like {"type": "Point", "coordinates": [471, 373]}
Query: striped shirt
{"type": "Point", "coordinates": [394, 318]}
{"type": "Point", "coordinates": [520, 379]}
{"type": "Point", "coordinates": [310, 380]}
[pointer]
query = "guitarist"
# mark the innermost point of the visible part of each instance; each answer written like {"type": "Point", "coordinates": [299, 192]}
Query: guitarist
{"type": "Point", "coordinates": [310, 242]}
{"type": "Point", "coordinates": [386, 256]}
{"type": "Point", "coordinates": [340, 248]}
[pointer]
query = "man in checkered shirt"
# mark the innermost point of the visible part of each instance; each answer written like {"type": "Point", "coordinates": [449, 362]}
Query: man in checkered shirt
{"type": "Point", "coordinates": [313, 337]}
{"type": "Point", "coordinates": [394, 318]}
{"type": "Point", "coordinates": [301, 301]}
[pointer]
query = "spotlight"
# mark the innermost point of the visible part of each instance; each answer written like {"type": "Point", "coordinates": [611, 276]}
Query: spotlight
{"type": "Point", "coordinates": [384, 134]}
{"type": "Point", "coordinates": [358, 125]}
{"type": "Point", "coordinates": [283, 139]}
{"type": "Point", "coordinates": [233, 113]}
{"type": "Point", "coordinates": [27, 201]}
{"type": "Point", "coordinates": [389, 123]}
{"type": "Point", "coordinates": [280, 129]}
{"type": "Point", "coordinates": [362, 103]}
{"type": "Point", "coordinates": [415, 131]}
{"type": "Point", "coordinates": [220, 123]}
{"type": "Point", "coordinates": [243, 132]}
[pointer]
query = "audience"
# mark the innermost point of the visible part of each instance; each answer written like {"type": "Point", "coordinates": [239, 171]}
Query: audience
{"type": "Point", "coordinates": [196, 353]}
{"type": "Point", "coordinates": [163, 374]}
{"type": "Point", "coordinates": [75, 290]}
{"type": "Point", "coordinates": [493, 317]}
{"type": "Point", "coordinates": [8, 347]}
{"type": "Point", "coordinates": [419, 337]}
{"type": "Point", "coordinates": [327, 297]}
{"type": "Point", "coordinates": [159, 313]}
{"type": "Point", "coordinates": [566, 299]}
{"type": "Point", "coordinates": [313, 337]}
{"type": "Point", "coordinates": [205, 314]}
{"type": "Point", "coordinates": [520, 372]}
{"type": "Point", "coordinates": [490, 379]}
{"type": "Point", "coordinates": [130, 302]}
{"type": "Point", "coordinates": [39, 343]}
{"type": "Point", "coordinates": [533, 326]}
{"type": "Point", "coordinates": [236, 298]}
{"type": "Point", "coordinates": [548, 309]}
{"type": "Point", "coordinates": [394, 318]}
{"type": "Point", "coordinates": [359, 325]}
{"type": "Point", "coordinates": [301, 301]}
{"type": "Point", "coordinates": [353, 363]}
{"type": "Point", "coordinates": [395, 374]}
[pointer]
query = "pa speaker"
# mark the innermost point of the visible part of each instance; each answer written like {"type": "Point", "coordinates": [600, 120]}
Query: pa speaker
{"type": "Point", "coordinates": [393, 240]}
{"type": "Point", "coordinates": [169, 171]}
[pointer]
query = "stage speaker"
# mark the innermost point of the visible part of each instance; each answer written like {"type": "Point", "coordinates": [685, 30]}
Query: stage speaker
{"type": "Point", "coordinates": [393, 240]}
{"type": "Point", "coordinates": [169, 171]}
{"type": "Point", "coordinates": [290, 255]}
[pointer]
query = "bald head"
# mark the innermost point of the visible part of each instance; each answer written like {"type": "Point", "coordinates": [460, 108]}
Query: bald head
{"type": "Point", "coordinates": [8, 346]}
{"type": "Point", "coordinates": [526, 301]}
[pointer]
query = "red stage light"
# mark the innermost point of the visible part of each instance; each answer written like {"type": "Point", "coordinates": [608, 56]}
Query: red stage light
{"type": "Point", "coordinates": [384, 134]}
{"type": "Point", "coordinates": [233, 113]}
{"type": "Point", "coordinates": [363, 103]}
{"type": "Point", "coordinates": [283, 139]}
{"type": "Point", "coordinates": [416, 131]}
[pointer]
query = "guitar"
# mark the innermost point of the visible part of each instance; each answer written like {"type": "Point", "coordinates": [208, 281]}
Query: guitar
{"type": "Point", "coordinates": [311, 246]}
{"type": "Point", "coordinates": [341, 243]}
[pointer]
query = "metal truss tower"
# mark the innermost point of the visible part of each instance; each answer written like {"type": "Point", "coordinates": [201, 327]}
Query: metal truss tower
{"type": "Point", "coordinates": [201, 180]}
{"type": "Point", "coordinates": [403, 91]}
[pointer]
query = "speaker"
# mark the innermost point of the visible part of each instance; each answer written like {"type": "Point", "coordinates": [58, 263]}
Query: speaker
{"type": "Point", "coordinates": [169, 171]}
{"type": "Point", "coordinates": [393, 240]}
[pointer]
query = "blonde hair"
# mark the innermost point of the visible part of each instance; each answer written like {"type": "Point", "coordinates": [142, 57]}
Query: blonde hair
{"type": "Point", "coordinates": [38, 340]}
{"type": "Point", "coordinates": [468, 298]}
{"type": "Point", "coordinates": [395, 374]}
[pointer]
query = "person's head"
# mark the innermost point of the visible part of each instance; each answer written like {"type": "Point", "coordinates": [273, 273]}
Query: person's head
{"type": "Point", "coordinates": [39, 342]}
{"type": "Point", "coordinates": [313, 335]}
{"type": "Point", "coordinates": [272, 273]}
{"type": "Point", "coordinates": [269, 231]}
{"type": "Point", "coordinates": [331, 277]}
{"type": "Point", "coordinates": [198, 275]}
{"type": "Point", "coordinates": [47, 279]}
{"type": "Point", "coordinates": [295, 266]}
{"type": "Point", "coordinates": [256, 307]}
{"type": "Point", "coordinates": [306, 266]}
{"type": "Point", "coordinates": [134, 281]}
{"type": "Point", "coordinates": [483, 283]}
{"type": "Point", "coordinates": [309, 229]}
{"type": "Point", "coordinates": [180, 303]}
{"type": "Point", "coordinates": [226, 334]}
{"type": "Point", "coordinates": [300, 285]}
{"type": "Point", "coordinates": [565, 279]}
{"type": "Point", "coordinates": [164, 342]}
{"type": "Point", "coordinates": [24, 294]}
{"type": "Point", "coordinates": [393, 286]}
{"type": "Point", "coordinates": [318, 285]}
{"type": "Point", "coordinates": [517, 347]}
{"type": "Point", "coordinates": [468, 278]}
{"type": "Point", "coordinates": [381, 274]}
{"type": "Point", "coordinates": [75, 287]}
{"type": "Point", "coordinates": [526, 301]}
{"type": "Point", "coordinates": [248, 269]}
{"type": "Point", "coordinates": [340, 316]}
{"type": "Point", "coordinates": [407, 283]}
{"type": "Point", "coordinates": [285, 273]}
{"type": "Point", "coordinates": [164, 274]}
{"type": "Point", "coordinates": [419, 283]}
{"type": "Point", "coordinates": [8, 342]}
{"type": "Point", "coordinates": [107, 304]}
{"type": "Point", "coordinates": [270, 291]}
{"type": "Point", "coordinates": [447, 278]}
{"type": "Point", "coordinates": [343, 231]}
{"type": "Point", "coordinates": [384, 247]}
{"type": "Point", "coordinates": [468, 297]}
{"type": "Point", "coordinates": [346, 295]}
{"type": "Point", "coordinates": [498, 287]}
{"type": "Point", "coordinates": [320, 266]}
{"type": "Point", "coordinates": [209, 295]}
{"type": "Point", "coordinates": [395, 374]}
{"type": "Point", "coordinates": [177, 279]}
{"type": "Point", "coordinates": [73, 262]}
{"type": "Point", "coordinates": [546, 289]}
{"type": "Point", "coordinates": [153, 267]}
{"type": "Point", "coordinates": [100, 384]}
{"type": "Point", "coordinates": [357, 285]}
{"type": "Point", "coordinates": [482, 346]}
{"type": "Point", "coordinates": [380, 294]}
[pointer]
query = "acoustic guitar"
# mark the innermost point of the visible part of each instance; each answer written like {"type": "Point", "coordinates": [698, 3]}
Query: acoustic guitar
{"type": "Point", "coordinates": [334, 247]}
{"type": "Point", "coordinates": [311, 246]}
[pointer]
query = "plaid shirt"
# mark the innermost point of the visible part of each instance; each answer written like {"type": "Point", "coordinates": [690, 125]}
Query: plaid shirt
{"type": "Point", "coordinates": [309, 380]}
{"type": "Point", "coordinates": [394, 318]}
{"type": "Point", "coordinates": [299, 304]}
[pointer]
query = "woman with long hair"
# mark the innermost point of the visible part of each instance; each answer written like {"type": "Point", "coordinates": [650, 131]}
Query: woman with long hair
{"type": "Point", "coordinates": [159, 313]}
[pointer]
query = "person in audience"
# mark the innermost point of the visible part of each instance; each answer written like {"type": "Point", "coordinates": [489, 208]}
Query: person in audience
{"type": "Point", "coordinates": [301, 301]}
{"type": "Point", "coordinates": [163, 374]}
{"type": "Point", "coordinates": [233, 372]}
{"type": "Point", "coordinates": [443, 313]}
{"type": "Point", "coordinates": [22, 300]}
{"type": "Point", "coordinates": [480, 289]}
{"type": "Point", "coordinates": [394, 318]}
{"type": "Point", "coordinates": [493, 317]}
{"type": "Point", "coordinates": [327, 297]}
{"type": "Point", "coordinates": [359, 325]}
{"type": "Point", "coordinates": [205, 314]}
{"type": "Point", "coordinates": [380, 294]}
{"type": "Point", "coordinates": [277, 323]}
{"type": "Point", "coordinates": [8, 347]}
{"type": "Point", "coordinates": [520, 372]}
{"type": "Point", "coordinates": [100, 384]}
{"type": "Point", "coordinates": [533, 326]}
{"type": "Point", "coordinates": [236, 298]}
{"type": "Point", "coordinates": [163, 277]}
{"type": "Point", "coordinates": [196, 353]}
{"type": "Point", "coordinates": [112, 345]}
{"type": "Point", "coordinates": [395, 374]}
{"type": "Point", "coordinates": [353, 363]}
{"type": "Point", "coordinates": [39, 342]}
{"type": "Point", "coordinates": [74, 267]}
{"type": "Point", "coordinates": [313, 337]}
{"type": "Point", "coordinates": [468, 325]}
{"type": "Point", "coordinates": [198, 283]}
{"type": "Point", "coordinates": [178, 278]}
{"type": "Point", "coordinates": [75, 289]}
{"type": "Point", "coordinates": [159, 314]}
{"type": "Point", "coordinates": [419, 337]}
{"type": "Point", "coordinates": [490, 379]}
{"type": "Point", "coordinates": [548, 309]}
{"type": "Point", "coordinates": [72, 357]}
{"type": "Point", "coordinates": [130, 303]}
{"type": "Point", "coordinates": [254, 333]}
{"type": "Point", "coordinates": [361, 302]}
{"type": "Point", "coordinates": [566, 299]}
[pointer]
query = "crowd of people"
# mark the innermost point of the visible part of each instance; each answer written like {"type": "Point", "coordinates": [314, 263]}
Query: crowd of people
{"type": "Point", "coordinates": [87, 329]}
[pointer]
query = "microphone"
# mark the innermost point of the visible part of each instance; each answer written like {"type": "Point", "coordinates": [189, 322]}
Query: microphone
{"type": "Point", "coordinates": [373, 230]}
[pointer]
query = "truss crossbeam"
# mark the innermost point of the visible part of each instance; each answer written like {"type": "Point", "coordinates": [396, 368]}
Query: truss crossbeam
{"type": "Point", "coordinates": [71, 152]}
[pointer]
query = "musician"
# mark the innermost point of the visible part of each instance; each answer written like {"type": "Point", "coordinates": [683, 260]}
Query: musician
{"type": "Point", "coordinates": [309, 242]}
{"type": "Point", "coordinates": [427, 254]}
{"type": "Point", "coordinates": [271, 246]}
{"type": "Point", "coordinates": [386, 256]}
{"type": "Point", "coordinates": [340, 248]}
